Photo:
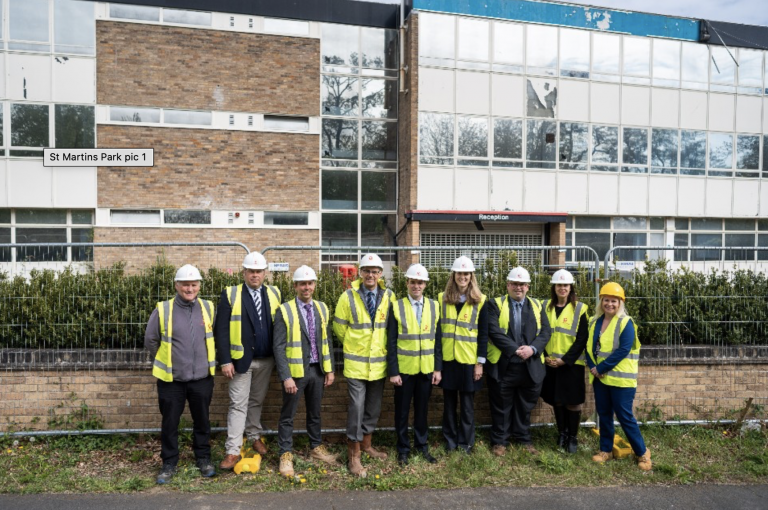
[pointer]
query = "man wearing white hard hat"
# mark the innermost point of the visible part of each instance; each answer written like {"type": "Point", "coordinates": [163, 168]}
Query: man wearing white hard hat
{"type": "Point", "coordinates": [519, 332]}
{"type": "Point", "coordinates": [360, 322]}
{"type": "Point", "coordinates": [414, 361]}
{"type": "Point", "coordinates": [244, 324]}
{"type": "Point", "coordinates": [303, 355]}
{"type": "Point", "coordinates": [179, 335]}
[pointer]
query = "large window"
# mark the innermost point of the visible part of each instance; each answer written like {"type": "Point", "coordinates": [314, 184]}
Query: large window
{"type": "Point", "coordinates": [74, 126]}
{"type": "Point", "coordinates": [73, 29]}
{"type": "Point", "coordinates": [602, 233]}
{"type": "Point", "coordinates": [39, 228]}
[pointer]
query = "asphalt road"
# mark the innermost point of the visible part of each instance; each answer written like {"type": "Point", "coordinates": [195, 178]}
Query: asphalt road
{"type": "Point", "coordinates": [603, 498]}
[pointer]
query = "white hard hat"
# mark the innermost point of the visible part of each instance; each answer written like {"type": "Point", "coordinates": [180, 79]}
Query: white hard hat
{"type": "Point", "coordinates": [463, 265]}
{"type": "Point", "coordinates": [417, 272]}
{"type": "Point", "coordinates": [562, 276]}
{"type": "Point", "coordinates": [304, 274]}
{"type": "Point", "coordinates": [187, 273]}
{"type": "Point", "coordinates": [519, 274]}
{"type": "Point", "coordinates": [255, 260]}
{"type": "Point", "coordinates": [371, 260]}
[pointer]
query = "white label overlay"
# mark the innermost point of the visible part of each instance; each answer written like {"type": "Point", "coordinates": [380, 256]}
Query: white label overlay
{"type": "Point", "coordinates": [98, 157]}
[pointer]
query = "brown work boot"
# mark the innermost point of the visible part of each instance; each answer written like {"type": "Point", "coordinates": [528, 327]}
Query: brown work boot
{"type": "Point", "coordinates": [354, 465]}
{"type": "Point", "coordinates": [499, 450]}
{"type": "Point", "coordinates": [602, 456]}
{"type": "Point", "coordinates": [644, 461]}
{"type": "Point", "coordinates": [229, 462]}
{"type": "Point", "coordinates": [286, 464]}
{"type": "Point", "coordinates": [322, 454]}
{"type": "Point", "coordinates": [259, 447]}
{"type": "Point", "coordinates": [530, 449]}
{"type": "Point", "coordinates": [368, 448]}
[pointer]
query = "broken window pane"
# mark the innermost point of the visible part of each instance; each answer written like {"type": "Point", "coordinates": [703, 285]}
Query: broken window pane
{"type": "Point", "coordinates": [605, 144]}
{"type": "Point", "coordinates": [693, 153]}
{"type": "Point", "coordinates": [340, 138]}
{"type": "Point", "coordinates": [74, 27]}
{"type": "Point", "coordinates": [28, 20]}
{"type": "Point", "coordinates": [664, 151]}
{"type": "Point", "coordinates": [574, 53]}
{"type": "Point", "coordinates": [435, 136]}
{"type": "Point", "coordinates": [635, 147]}
{"type": "Point", "coordinates": [720, 150]}
{"type": "Point", "coordinates": [605, 53]}
{"type": "Point", "coordinates": [541, 140]}
{"type": "Point", "coordinates": [379, 48]}
{"type": "Point", "coordinates": [379, 140]}
{"type": "Point", "coordinates": [542, 98]}
{"type": "Point", "coordinates": [340, 44]}
{"type": "Point", "coordinates": [574, 145]}
{"type": "Point", "coordinates": [339, 95]}
{"type": "Point", "coordinates": [473, 137]}
{"type": "Point", "coordinates": [507, 43]}
{"type": "Point", "coordinates": [75, 126]}
{"type": "Point", "coordinates": [507, 138]}
{"type": "Point", "coordinates": [379, 190]}
{"type": "Point", "coordinates": [542, 49]}
{"type": "Point", "coordinates": [747, 152]}
{"type": "Point", "coordinates": [637, 56]}
{"type": "Point", "coordinates": [379, 98]}
{"type": "Point", "coordinates": [29, 125]}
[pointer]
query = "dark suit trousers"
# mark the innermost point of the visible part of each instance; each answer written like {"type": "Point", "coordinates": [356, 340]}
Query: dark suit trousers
{"type": "Point", "coordinates": [172, 397]}
{"type": "Point", "coordinates": [500, 420]}
{"type": "Point", "coordinates": [311, 386]}
{"type": "Point", "coordinates": [458, 432]}
{"type": "Point", "coordinates": [418, 388]}
{"type": "Point", "coordinates": [519, 395]}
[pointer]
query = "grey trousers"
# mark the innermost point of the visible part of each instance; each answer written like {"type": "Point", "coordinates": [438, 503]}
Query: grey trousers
{"type": "Point", "coordinates": [246, 397]}
{"type": "Point", "coordinates": [364, 407]}
{"type": "Point", "coordinates": [311, 386]}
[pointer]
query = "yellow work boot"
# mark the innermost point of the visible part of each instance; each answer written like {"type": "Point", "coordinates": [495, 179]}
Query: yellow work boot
{"type": "Point", "coordinates": [644, 461]}
{"type": "Point", "coordinates": [286, 464]}
{"type": "Point", "coordinates": [368, 448]}
{"type": "Point", "coordinates": [354, 465]}
{"type": "Point", "coordinates": [602, 456]}
{"type": "Point", "coordinates": [322, 454]}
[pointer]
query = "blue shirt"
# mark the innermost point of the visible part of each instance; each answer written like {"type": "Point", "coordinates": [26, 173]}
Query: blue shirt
{"type": "Point", "coordinates": [626, 340]}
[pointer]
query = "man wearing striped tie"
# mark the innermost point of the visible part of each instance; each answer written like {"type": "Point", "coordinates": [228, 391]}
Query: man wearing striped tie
{"type": "Point", "coordinates": [243, 328]}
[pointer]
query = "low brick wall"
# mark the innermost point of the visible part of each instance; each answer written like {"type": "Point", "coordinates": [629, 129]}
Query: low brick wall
{"type": "Point", "coordinates": [116, 386]}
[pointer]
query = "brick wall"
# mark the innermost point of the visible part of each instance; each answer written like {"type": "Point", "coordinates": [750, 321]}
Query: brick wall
{"type": "Point", "coordinates": [151, 65]}
{"type": "Point", "coordinates": [557, 238]}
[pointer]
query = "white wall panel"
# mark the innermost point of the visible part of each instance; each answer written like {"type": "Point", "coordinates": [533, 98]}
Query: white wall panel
{"type": "Point", "coordinates": [21, 193]}
{"type": "Point", "coordinates": [636, 106]}
{"type": "Point", "coordinates": [603, 194]}
{"type": "Point", "coordinates": [748, 114]}
{"type": "Point", "coordinates": [572, 192]}
{"type": "Point", "coordinates": [765, 115]}
{"type": "Point", "coordinates": [472, 93]}
{"type": "Point", "coordinates": [539, 191]}
{"type": "Point", "coordinates": [690, 196]}
{"type": "Point", "coordinates": [29, 77]}
{"type": "Point", "coordinates": [746, 197]}
{"type": "Point", "coordinates": [507, 95]}
{"type": "Point", "coordinates": [604, 103]}
{"type": "Point", "coordinates": [721, 112]}
{"type": "Point", "coordinates": [665, 108]}
{"type": "Point", "coordinates": [719, 197]}
{"type": "Point", "coordinates": [74, 187]}
{"type": "Point", "coordinates": [3, 184]}
{"type": "Point", "coordinates": [3, 93]}
{"type": "Point", "coordinates": [693, 110]}
{"type": "Point", "coordinates": [662, 193]}
{"type": "Point", "coordinates": [435, 188]}
{"type": "Point", "coordinates": [436, 90]}
{"type": "Point", "coordinates": [633, 195]}
{"type": "Point", "coordinates": [573, 100]}
{"type": "Point", "coordinates": [763, 200]}
{"type": "Point", "coordinates": [472, 190]}
{"type": "Point", "coordinates": [74, 80]}
{"type": "Point", "coordinates": [506, 190]}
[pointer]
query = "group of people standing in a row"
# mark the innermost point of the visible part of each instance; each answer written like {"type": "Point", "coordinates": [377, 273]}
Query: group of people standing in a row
{"type": "Point", "coordinates": [527, 348]}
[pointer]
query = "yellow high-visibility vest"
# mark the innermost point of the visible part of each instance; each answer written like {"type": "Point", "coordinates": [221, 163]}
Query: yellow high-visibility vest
{"type": "Point", "coordinates": [459, 330]}
{"type": "Point", "coordinates": [234, 296]}
{"type": "Point", "coordinates": [564, 328]}
{"type": "Point", "coordinates": [494, 353]}
{"type": "Point", "coordinates": [623, 375]}
{"type": "Point", "coordinates": [416, 343]}
{"type": "Point", "coordinates": [163, 365]}
{"type": "Point", "coordinates": [293, 349]}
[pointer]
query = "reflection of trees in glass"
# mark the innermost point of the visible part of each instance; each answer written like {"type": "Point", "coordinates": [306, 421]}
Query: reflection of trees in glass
{"type": "Point", "coordinates": [340, 95]}
{"type": "Point", "coordinates": [507, 138]}
{"type": "Point", "coordinates": [542, 98]}
{"type": "Point", "coordinates": [376, 229]}
{"type": "Point", "coordinates": [75, 127]}
{"type": "Point", "coordinates": [378, 190]}
{"type": "Point", "coordinates": [635, 146]}
{"type": "Point", "coordinates": [339, 229]}
{"type": "Point", "coordinates": [340, 138]}
{"type": "Point", "coordinates": [765, 153]}
{"type": "Point", "coordinates": [29, 125]}
{"type": "Point", "coordinates": [747, 152]}
{"type": "Point", "coordinates": [574, 142]}
{"type": "Point", "coordinates": [720, 150]}
{"type": "Point", "coordinates": [436, 134]}
{"type": "Point", "coordinates": [339, 189]}
{"type": "Point", "coordinates": [379, 48]}
{"type": "Point", "coordinates": [664, 148]}
{"type": "Point", "coordinates": [187, 216]}
{"type": "Point", "coordinates": [538, 147]}
{"type": "Point", "coordinates": [605, 144]}
{"type": "Point", "coordinates": [379, 140]}
{"type": "Point", "coordinates": [379, 98]}
{"type": "Point", "coordinates": [473, 137]}
{"type": "Point", "coordinates": [693, 149]}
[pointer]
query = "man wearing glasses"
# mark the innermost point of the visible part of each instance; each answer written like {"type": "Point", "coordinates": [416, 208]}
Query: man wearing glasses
{"type": "Point", "coordinates": [360, 322]}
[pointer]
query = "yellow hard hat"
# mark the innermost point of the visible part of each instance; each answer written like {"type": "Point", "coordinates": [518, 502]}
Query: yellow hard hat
{"type": "Point", "coordinates": [613, 289]}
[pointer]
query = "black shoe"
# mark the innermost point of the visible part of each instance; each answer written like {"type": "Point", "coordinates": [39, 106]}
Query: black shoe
{"type": "Point", "coordinates": [572, 446]}
{"type": "Point", "coordinates": [428, 457]}
{"type": "Point", "coordinates": [465, 448]}
{"type": "Point", "coordinates": [206, 468]}
{"type": "Point", "coordinates": [402, 459]}
{"type": "Point", "coordinates": [562, 440]}
{"type": "Point", "coordinates": [165, 474]}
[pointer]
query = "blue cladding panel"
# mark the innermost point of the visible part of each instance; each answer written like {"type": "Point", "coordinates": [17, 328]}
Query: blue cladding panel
{"type": "Point", "coordinates": [576, 16]}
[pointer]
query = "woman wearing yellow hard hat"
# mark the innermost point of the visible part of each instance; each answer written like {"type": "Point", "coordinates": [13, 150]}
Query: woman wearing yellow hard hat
{"type": "Point", "coordinates": [613, 351]}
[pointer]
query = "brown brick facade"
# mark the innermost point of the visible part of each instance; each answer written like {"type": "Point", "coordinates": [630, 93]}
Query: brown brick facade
{"type": "Point", "coordinates": [187, 68]}
{"type": "Point", "coordinates": [212, 169]}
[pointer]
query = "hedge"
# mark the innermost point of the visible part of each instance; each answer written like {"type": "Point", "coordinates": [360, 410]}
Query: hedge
{"type": "Point", "coordinates": [108, 308]}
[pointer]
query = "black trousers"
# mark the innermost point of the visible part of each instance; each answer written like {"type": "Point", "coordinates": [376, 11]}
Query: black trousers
{"type": "Point", "coordinates": [514, 398]}
{"type": "Point", "coordinates": [172, 397]}
{"type": "Point", "coordinates": [418, 388]}
{"type": "Point", "coordinates": [458, 432]}
{"type": "Point", "coordinates": [311, 386]}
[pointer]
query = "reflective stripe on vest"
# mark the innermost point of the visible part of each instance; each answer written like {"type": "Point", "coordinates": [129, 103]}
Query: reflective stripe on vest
{"type": "Point", "coordinates": [234, 295]}
{"type": "Point", "coordinates": [459, 330]}
{"type": "Point", "coordinates": [624, 374]}
{"type": "Point", "coordinates": [416, 343]}
{"type": "Point", "coordinates": [294, 350]}
{"type": "Point", "coordinates": [162, 367]}
{"type": "Point", "coordinates": [494, 353]}
{"type": "Point", "coordinates": [563, 337]}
